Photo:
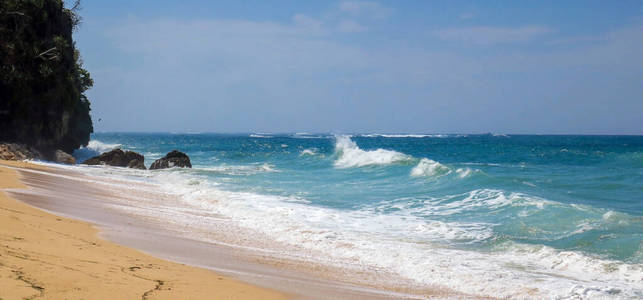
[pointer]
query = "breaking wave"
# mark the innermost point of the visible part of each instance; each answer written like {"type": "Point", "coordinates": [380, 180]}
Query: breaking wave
{"type": "Point", "coordinates": [93, 148]}
{"type": "Point", "coordinates": [428, 168]}
{"type": "Point", "coordinates": [349, 155]}
{"type": "Point", "coordinates": [101, 147]}
{"type": "Point", "coordinates": [344, 236]}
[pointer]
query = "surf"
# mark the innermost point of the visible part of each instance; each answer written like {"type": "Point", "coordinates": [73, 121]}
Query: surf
{"type": "Point", "coordinates": [349, 155]}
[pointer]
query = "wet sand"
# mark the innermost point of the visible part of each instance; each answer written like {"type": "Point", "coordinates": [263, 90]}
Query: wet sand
{"type": "Point", "coordinates": [67, 193]}
{"type": "Point", "coordinates": [47, 256]}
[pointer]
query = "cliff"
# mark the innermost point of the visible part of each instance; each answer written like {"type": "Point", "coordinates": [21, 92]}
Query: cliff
{"type": "Point", "coordinates": [42, 81]}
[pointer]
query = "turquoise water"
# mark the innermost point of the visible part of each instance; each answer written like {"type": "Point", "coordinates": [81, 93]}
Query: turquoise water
{"type": "Point", "coordinates": [566, 204]}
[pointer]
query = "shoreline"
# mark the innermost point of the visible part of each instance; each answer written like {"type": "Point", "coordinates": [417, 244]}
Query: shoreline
{"type": "Point", "coordinates": [45, 255]}
{"type": "Point", "coordinates": [67, 193]}
{"type": "Point", "coordinates": [177, 216]}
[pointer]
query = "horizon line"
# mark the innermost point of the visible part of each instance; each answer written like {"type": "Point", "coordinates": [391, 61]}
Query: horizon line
{"type": "Point", "coordinates": [363, 133]}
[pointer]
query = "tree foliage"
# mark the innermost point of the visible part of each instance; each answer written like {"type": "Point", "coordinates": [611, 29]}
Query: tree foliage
{"type": "Point", "coordinates": [42, 80]}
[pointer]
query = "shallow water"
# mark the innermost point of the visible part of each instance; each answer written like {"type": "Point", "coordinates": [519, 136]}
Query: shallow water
{"type": "Point", "coordinates": [496, 215]}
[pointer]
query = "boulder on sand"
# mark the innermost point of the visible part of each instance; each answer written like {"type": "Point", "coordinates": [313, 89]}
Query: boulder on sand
{"type": "Point", "coordinates": [172, 159]}
{"type": "Point", "coordinates": [118, 158]}
{"type": "Point", "coordinates": [136, 164]}
{"type": "Point", "coordinates": [63, 157]}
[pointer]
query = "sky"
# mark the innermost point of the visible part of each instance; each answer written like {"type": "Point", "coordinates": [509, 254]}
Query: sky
{"type": "Point", "coordinates": [517, 67]}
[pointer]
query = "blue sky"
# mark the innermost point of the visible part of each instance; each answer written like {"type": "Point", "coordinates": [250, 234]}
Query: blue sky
{"type": "Point", "coordinates": [365, 66]}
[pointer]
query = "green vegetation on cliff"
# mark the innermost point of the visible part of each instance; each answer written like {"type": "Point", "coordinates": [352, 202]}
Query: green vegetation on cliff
{"type": "Point", "coordinates": [42, 81]}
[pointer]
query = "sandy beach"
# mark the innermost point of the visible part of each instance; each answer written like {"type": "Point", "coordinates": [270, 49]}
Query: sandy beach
{"type": "Point", "coordinates": [46, 256]}
{"type": "Point", "coordinates": [64, 239]}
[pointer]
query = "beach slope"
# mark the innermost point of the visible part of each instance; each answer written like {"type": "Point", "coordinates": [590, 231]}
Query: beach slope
{"type": "Point", "coordinates": [43, 255]}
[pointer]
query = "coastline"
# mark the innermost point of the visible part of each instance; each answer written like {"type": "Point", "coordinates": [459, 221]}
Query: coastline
{"type": "Point", "coordinates": [307, 250]}
{"type": "Point", "coordinates": [45, 255]}
{"type": "Point", "coordinates": [64, 192]}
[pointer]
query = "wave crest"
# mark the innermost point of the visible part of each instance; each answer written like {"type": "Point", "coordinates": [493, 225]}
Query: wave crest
{"type": "Point", "coordinates": [350, 155]}
{"type": "Point", "coordinates": [428, 168]}
{"type": "Point", "coordinates": [310, 151]}
{"type": "Point", "coordinates": [93, 148]}
{"type": "Point", "coordinates": [101, 147]}
{"type": "Point", "coordinates": [508, 270]}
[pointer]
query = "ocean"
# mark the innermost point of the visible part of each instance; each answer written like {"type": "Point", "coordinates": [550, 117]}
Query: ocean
{"type": "Point", "coordinates": [518, 216]}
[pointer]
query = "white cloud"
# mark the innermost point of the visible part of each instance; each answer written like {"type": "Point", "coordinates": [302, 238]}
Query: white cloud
{"type": "Point", "coordinates": [488, 35]}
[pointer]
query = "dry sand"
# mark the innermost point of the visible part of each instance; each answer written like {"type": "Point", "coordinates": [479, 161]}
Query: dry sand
{"type": "Point", "coordinates": [51, 257]}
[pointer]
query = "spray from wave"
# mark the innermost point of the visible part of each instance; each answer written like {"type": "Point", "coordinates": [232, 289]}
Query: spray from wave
{"type": "Point", "coordinates": [93, 148]}
{"type": "Point", "coordinates": [349, 155]}
{"type": "Point", "coordinates": [465, 172]}
{"type": "Point", "coordinates": [429, 168]}
{"type": "Point", "coordinates": [101, 147]}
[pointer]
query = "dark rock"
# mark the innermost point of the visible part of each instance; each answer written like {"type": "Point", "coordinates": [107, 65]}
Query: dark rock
{"type": "Point", "coordinates": [10, 151]}
{"type": "Point", "coordinates": [136, 164]}
{"type": "Point", "coordinates": [63, 157]}
{"type": "Point", "coordinates": [118, 158]}
{"type": "Point", "coordinates": [134, 160]}
{"type": "Point", "coordinates": [172, 159]}
{"type": "Point", "coordinates": [110, 158]}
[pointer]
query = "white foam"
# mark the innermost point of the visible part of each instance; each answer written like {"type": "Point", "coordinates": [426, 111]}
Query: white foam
{"type": "Point", "coordinates": [404, 135]}
{"type": "Point", "coordinates": [101, 147]}
{"type": "Point", "coordinates": [429, 168]}
{"type": "Point", "coordinates": [616, 217]}
{"type": "Point", "coordinates": [350, 155]}
{"type": "Point", "coordinates": [402, 243]}
{"type": "Point", "coordinates": [608, 215]}
{"type": "Point", "coordinates": [311, 151]}
{"type": "Point", "coordinates": [239, 169]}
{"type": "Point", "coordinates": [365, 239]}
{"type": "Point", "coordinates": [93, 148]}
{"type": "Point", "coordinates": [487, 199]}
{"type": "Point", "coordinates": [463, 172]}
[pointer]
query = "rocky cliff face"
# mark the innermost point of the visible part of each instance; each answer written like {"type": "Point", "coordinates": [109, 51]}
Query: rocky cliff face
{"type": "Point", "coordinates": [18, 152]}
{"type": "Point", "coordinates": [42, 82]}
